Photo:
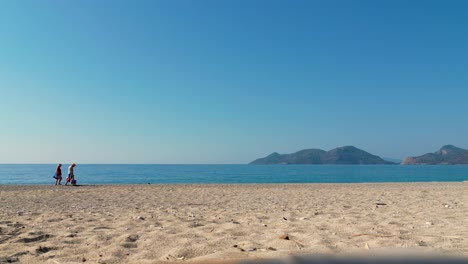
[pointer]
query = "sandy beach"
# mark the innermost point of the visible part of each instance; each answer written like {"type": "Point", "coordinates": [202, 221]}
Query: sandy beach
{"type": "Point", "coordinates": [197, 223]}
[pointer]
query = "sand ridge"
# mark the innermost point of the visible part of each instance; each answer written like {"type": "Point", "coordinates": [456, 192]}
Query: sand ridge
{"type": "Point", "coordinates": [193, 223]}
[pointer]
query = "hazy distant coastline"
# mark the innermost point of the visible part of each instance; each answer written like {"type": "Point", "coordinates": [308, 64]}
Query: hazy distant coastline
{"type": "Point", "coordinates": [350, 155]}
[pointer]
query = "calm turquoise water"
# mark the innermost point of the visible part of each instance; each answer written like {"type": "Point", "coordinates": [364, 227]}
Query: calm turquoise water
{"type": "Point", "coordinates": [154, 174]}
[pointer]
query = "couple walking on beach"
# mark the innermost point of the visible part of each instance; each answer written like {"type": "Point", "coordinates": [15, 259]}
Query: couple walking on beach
{"type": "Point", "coordinates": [71, 175]}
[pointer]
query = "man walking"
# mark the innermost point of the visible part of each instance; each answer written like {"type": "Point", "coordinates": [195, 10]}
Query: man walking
{"type": "Point", "coordinates": [71, 175]}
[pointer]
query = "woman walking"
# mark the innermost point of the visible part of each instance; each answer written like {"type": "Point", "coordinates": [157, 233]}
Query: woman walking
{"type": "Point", "coordinates": [58, 175]}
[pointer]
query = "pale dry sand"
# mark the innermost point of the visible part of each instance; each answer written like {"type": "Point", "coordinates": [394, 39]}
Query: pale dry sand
{"type": "Point", "coordinates": [186, 223]}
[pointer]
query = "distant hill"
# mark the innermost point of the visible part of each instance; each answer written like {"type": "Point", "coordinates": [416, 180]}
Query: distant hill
{"type": "Point", "coordinates": [392, 159]}
{"type": "Point", "coordinates": [342, 155]}
{"type": "Point", "coordinates": [446, 155]}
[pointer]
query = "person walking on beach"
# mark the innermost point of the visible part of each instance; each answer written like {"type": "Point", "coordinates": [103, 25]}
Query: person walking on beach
{"type": "Point", "coordinates": [71, 175]}
{"type": "Point", "coordinates": [58, 175]}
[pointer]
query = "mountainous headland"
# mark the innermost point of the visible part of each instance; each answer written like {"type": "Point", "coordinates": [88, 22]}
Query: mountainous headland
{"type": "Point", "coordinates": [341, 155]}
{"type": "Point", "coordinates": [447, 155]}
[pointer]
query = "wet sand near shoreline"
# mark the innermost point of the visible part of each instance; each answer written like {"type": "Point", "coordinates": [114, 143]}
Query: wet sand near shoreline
{"type": "Point", "coordinates": [197, 223]}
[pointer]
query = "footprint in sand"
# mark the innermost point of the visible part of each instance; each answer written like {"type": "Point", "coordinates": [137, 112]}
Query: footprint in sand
{"type": "Point", "coordinates": [8, 259]}
{"type": "Point", "coordinates": [130, 241]}
{"type": "Point", "coordinates": [42, 250]}
{"type": "Point", "coordinates": [101, 228]}
{"type": "Point", "coordinates": [34, 239]}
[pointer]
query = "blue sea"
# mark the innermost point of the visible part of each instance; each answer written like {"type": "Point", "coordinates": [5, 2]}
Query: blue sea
{"type": "Point", "coordinates": [160, 174]}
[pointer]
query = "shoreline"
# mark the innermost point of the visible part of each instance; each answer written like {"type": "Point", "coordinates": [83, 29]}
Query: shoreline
{"type": "Point", "coordinates": [232, 184]}
{"type": "Point", "coordinates": [163, 223]}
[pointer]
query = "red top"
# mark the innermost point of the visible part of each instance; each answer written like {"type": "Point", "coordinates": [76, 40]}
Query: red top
{"type": "Point", "coordinates": [58, 171]}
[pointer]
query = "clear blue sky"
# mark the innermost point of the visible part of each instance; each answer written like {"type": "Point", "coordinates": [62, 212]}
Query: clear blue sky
{"type": "Point", "coordinates": [229, 81]}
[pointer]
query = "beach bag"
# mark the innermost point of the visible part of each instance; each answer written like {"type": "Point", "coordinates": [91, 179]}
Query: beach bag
{"type": "Point", "coordinates": [55, 176]}
{"type": "Point", "coordinates": [67, 179]}
{"type": "Point", "coordinates": [73, 182]}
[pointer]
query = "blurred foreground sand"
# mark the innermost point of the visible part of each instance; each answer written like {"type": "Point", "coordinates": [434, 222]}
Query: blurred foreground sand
{"type": "Point", "coordinates": [197, 223]}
